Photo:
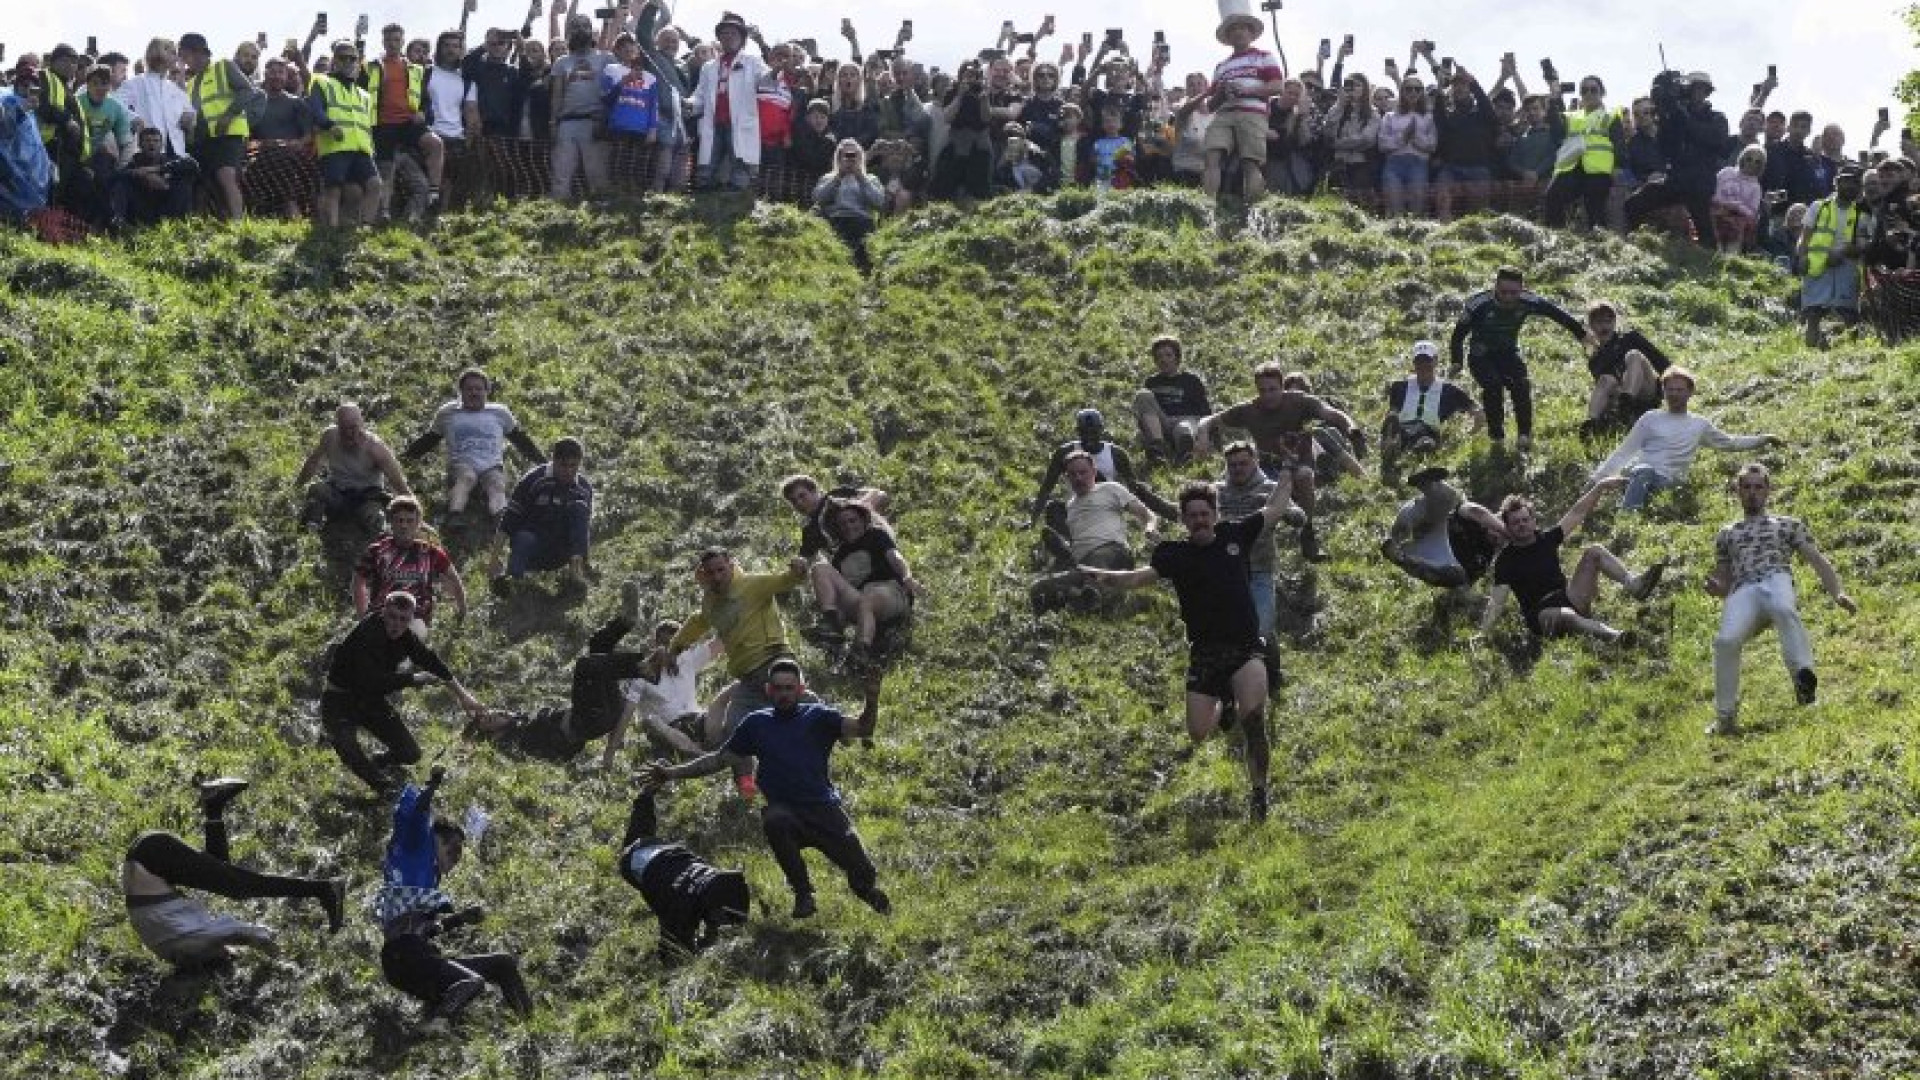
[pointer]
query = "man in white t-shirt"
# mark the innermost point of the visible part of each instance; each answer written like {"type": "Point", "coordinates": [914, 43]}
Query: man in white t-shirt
{"type": "Point", "coordinates": [157, 101]}
{"type": "Point", "coordinates": [453, 109]}
{"type": "Point", "coordinates": [1096, 534]}
{"type": "Point", "coordinates": [476, 432]}
{"type": "Point", "coordinates": [1242, 83]}
{"type": "Point", "coordinates": [667, 701]}
{"type": "Point", "coordinates": [1659, 450]}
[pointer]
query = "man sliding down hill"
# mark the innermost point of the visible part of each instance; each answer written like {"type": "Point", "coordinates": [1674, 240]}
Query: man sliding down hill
{"type": "Point", "coordinates": [362, 474]}
{"type": "Point", "coordinates": [1439, 538]}
{"type": "Point", "coordinates": [1278, 419]}
{"type": "Point", "coordinates": [691, 897]}
{"type": "Point", "coordinates": [1529, 566]}
{"type": "Point", "coordinates": [1225, 656]}
{"type": "Point", "coordinates": [477, 432]}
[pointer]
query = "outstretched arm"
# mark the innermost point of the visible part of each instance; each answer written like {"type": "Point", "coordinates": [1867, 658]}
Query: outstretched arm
{"type": "Point", "coordinates": [1576, 514]}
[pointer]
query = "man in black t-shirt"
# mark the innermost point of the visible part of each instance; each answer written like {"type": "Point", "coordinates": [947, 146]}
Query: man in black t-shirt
{"type": "Point", "coordinates": [1529, 567]}
{"type": "Point", "coordinates": [1169, 405]}
{"type": "Point", "coordinates": [1225, 662]}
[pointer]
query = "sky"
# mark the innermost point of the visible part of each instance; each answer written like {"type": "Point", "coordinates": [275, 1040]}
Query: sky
{"type": "Point", "coordinates": [1838, 59]}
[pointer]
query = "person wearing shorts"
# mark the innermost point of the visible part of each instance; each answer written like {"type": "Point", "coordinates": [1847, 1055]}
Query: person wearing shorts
{"type": "Point", "coordinates": [477, 432]}
{"type": "Point", "coordinates": [1209, 572]}
{"type": "Point", "coordinates": [343, 113]}
{"type": "Point", "coordinates": [1242, 83]}
{"type": "Point", "coordinates": [1529, 568]}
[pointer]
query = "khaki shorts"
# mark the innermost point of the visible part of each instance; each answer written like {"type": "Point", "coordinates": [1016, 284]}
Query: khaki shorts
{"type": "Point", "coordinates": [492, 482]}
{"type": "Point", "coordinates": [1239, 134]}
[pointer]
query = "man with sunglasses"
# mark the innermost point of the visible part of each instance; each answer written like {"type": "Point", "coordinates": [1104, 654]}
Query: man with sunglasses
{"type": "Point", "coordinates": [1591, 141]}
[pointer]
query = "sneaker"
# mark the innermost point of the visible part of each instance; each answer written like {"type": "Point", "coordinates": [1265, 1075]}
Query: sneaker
{"type": "Point", "coordinates": [1642, 587]}
{"type": "Point", "coordinates": [803, 906]}
{"type": "Point", "coordinates": [1523, 444]}
{"type": "Point", "coordinates": [457, 997]}
{"type": "Point", "coordinates": [1182, 448]}
{"type": "Point", "coordinates": [216, 793]}
{"type": "Point", "coordinates": [876, 898]}
{"type": "Point", "coordinates": [1257, 804]}
{"type": "Point", "coordinates": [1805, 685]}
{"type": "Point", "coordinates": [335, 901]}
{"type": "Point", "coordinates": [1723, 727]}
{"type": "Point", "coordinates": [1295, 517]}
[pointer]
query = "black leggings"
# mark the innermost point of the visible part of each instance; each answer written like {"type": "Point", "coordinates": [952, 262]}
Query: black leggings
{"type": "Point", "coordinates": [172, 860]}
{"type": "Point", "coordinates": [343, 715]}
{"type": "Point", "coordinates": [415, 966]}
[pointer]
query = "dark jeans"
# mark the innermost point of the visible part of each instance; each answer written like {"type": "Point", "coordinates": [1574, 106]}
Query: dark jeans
{"type": "Point", "coordinates": [595, 698]}
{"type": "Point", "coordinates": [854, 232]}
{"type": "Point", "coordinates": [342, 716]}
{"type": "Point", "coordinates": [415, 966]}
{"type": "Point", "coordinates": [1592, 192]}
{"type": "Point", "coordinates": [1500, 374]}
{"type": "Point", "coordinates": [552, 547]}
{"type": "Point", "coordinates": [792, 828]}
{"type": "Point", "coordinates": [1653, 197]}
{"type": "Point", "coordinates": [170, 859]}
{"type": "Point", "coordinates": [137, 203]}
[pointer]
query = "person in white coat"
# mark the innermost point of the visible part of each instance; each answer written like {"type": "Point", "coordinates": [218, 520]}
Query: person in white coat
{"type": "Point", "coordinates": [727, 105]}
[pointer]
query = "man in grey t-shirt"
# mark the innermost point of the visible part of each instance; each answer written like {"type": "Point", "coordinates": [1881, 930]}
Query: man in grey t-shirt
{"type": "Point", "coordinates": [579, 112]}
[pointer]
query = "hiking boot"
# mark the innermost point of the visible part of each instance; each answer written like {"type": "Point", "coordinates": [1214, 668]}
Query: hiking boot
{"type": "Point", "coordinates": [457, 997]}
{"type": "Point", "coordinates": [335, 902]}
{"type": "Point", "coordinates": [1257, 800]}
{"type": "Point", "coordinates": [1642, 586]}
{"type": "Point", "coordinates": [803, 906]}
{"type": "Point", "coordinates": [876, 898]}
{"type": "Point", "coordinates": [216, 793]}
{"type": "Point", "coordinates": [1805, 685]}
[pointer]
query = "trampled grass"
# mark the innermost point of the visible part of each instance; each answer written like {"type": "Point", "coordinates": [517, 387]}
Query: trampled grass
{"type": "Point", "coordinates": [1481, 863]}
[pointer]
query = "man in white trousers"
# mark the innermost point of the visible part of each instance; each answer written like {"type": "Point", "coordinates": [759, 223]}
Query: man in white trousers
{"type": "Point", "coordinates": [1753, 570]}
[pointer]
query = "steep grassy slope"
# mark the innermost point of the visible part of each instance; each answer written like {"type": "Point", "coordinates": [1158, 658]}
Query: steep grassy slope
{"type": "Point", "coordinates": [1481, 863]}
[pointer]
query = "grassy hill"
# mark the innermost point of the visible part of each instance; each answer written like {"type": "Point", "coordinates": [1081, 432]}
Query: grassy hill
{"type": "Point", "coordinates": [1482, 862]}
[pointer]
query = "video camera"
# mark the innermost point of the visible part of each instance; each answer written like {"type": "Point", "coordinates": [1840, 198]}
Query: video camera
{"type": "Point", "coordinates": [1669, 91]}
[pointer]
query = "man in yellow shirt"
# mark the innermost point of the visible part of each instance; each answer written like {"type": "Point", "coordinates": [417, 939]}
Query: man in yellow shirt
{"type": "Point", "coordinates": [743, 611]}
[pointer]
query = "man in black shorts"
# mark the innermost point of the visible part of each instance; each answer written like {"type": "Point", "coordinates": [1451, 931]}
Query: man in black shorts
{"type": "Point", "coordinates": [1529, 567]}
{"type": "Point", "coordinates": [1440, 538]}
{"type": "Point", "coordinates": [1225, 656]}
{"type": "Point", "coordinates": [1170, 403]}
{"type": "Point", "coordinates": [691, 897]}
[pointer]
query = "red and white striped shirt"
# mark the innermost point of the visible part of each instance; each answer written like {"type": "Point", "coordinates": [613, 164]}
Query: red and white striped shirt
{"type": "Point", "coordinates": [1241, 73]}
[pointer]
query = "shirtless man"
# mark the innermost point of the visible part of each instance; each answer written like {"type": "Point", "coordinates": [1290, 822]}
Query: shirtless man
{"type": "Point", "coordinates": [362, 474]}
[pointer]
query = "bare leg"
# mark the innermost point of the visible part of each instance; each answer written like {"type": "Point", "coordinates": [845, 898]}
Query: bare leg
{"type": "Point", "coordinates": [1601, 398]}
{"type": "Point", "coordinates": [1640, 380]}
{"type": "Point", "coordinates": [1250, 697]}
{"type": "Point", "coordinates": [1594, 562]}
{"type": "Point", "coordinates": [1203, 716]}
{"type": "Point", "coordinates": [326, 209]}
{"type": "Point", "coordinates": [370, 202]}
{"type": "Point", "coordinates": [1303, 489]}
{"type": "Point", "coordinates": [1568, 621]}
{"type": "Point", "coordinates": [1210, 179]}
{"type": "Point", "coordinates": [1253, 181]}
{"type": "Point", "coordinates": [433, 154]}
{"type": "Point", "coordinates": [231, 204]}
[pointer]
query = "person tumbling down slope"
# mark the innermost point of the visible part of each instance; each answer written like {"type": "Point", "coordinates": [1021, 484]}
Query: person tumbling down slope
{"type": "Point", "coordinates": [1209, 572]}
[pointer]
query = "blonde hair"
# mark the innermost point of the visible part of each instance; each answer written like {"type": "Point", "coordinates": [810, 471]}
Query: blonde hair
{"type": "Point", "coordinates": [161, 53]}
{"type": "Point", "coordinates": [850, 144]}
{"type": "Point", "coordinates": [855, 99]}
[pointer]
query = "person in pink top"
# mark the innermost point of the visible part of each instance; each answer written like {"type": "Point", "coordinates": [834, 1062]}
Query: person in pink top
{"type": "Point", "coordinates": [1736, 201]}
{"type": "Point", "coordinates": [1242, 83]}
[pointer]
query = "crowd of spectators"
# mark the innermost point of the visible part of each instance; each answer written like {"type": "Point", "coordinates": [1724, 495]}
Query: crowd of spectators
{"type": "Point", "coordinates": [624, 102]}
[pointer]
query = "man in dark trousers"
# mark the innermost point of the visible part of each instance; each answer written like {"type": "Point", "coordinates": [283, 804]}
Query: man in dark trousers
{"type": "Point", "coordinates": [792, 742]}
{"type": "Point", "coordinates": [691, 897]}
{"type": "Point", "coordinates": [1225, 656]}
{"type": "Point", "coordinates": [1492, 323]}
{"type": "Point", "coordinates": [366, 668]}
{"type": "Point", "coordinates": [412, 912]}
{"type": "Point", "coordinates": [176, 927]}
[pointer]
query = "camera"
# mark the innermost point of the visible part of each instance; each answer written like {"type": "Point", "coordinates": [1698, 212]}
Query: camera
{"type": "Point", "coordinates": [1668, 91]}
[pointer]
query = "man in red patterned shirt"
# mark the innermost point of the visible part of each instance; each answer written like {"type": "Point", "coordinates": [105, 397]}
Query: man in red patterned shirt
{"type": "Point", "coordinates": [405, 561]}
{"type": "Point", "coordinates": [1242, 83]}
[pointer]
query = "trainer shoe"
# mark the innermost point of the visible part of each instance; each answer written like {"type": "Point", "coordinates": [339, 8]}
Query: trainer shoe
{"type": "Point", "coordinates": [1523, 444]}
{"type": "Point", "coordinates": [1294, 516]}
{"type": "Point", "coordinates": [803, 906]}
{"type": "Point", "coordinates": [457, 997]}
{"type": "Point", "coordinates": [216, 793]}
{"type": "Point", "coordinates": [1642, 586]}
{"type": "Point", "coordinates": [1257, 804]}
{"type": "Point", "coordinates": [876, 898]}
{"type": "Point", "coordinates": [1724, 726]}
{"type": "Point", "coordinates": [1805, 685]}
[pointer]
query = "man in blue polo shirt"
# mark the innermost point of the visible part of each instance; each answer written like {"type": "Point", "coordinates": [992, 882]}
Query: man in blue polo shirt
{"type": "Point", "coordinates": [793, 741]}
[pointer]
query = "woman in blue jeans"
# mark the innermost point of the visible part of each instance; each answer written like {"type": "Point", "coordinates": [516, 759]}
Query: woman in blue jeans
{"type": "Point", "coordinates": [1407, 142]}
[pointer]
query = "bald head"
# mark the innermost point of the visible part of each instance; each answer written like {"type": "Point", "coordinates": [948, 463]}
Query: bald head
{"type": "Point", "coordinates": [350, 424]}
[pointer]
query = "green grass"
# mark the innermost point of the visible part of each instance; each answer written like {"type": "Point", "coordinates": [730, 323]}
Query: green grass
{"type": "Point", "coordinates": [1481, 864]}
